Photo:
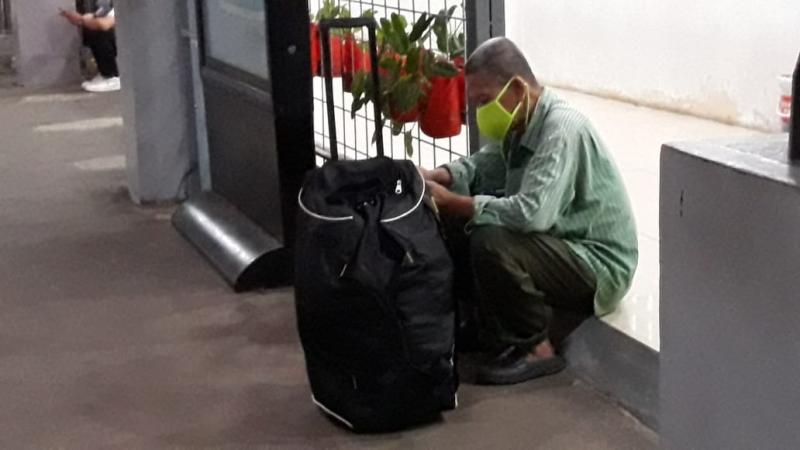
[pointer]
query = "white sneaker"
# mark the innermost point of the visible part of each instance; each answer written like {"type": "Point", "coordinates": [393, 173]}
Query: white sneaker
{"type": "Point", "coordinates": [97, 78]}
{"type": "Point", "coordinates": [100, 84]}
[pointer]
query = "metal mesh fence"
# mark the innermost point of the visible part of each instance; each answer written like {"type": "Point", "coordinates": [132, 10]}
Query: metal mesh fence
{"type": "Point", "coordinates": [354, 135]}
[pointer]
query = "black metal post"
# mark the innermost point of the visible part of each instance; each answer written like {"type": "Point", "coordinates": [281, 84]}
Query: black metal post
{"type": "Point", "coordinates": [325, 34]}
{"type": "Point", "coordinates": [794, 127]}
{"type": "Point", "coordinates": [325, 27]}
{"type": "Point", "coordinates": [485, 19]}
{"type": "Point", "coordinates": [376, 83]}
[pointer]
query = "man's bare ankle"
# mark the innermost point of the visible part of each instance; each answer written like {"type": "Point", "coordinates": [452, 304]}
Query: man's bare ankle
{"type": "Point", "coordinates": [543, 350]}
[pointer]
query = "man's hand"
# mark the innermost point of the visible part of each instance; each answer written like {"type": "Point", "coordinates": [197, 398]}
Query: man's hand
{"type": "Point", "coordinates": [439, 175]}
{"type": "Point", "coordinates": [441, 195]}
{"type": "Point", "coordinates": [449, 203]}
{"type": "Point", "coordinates": [73, 17]}
{"type": "Point", "coordinates": [89, 21]}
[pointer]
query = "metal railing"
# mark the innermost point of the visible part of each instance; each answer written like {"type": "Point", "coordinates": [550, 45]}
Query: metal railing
{"type": "Point", "coordinates": [354, 135]}
{"type": "Point", "coordinates": [5, 16]}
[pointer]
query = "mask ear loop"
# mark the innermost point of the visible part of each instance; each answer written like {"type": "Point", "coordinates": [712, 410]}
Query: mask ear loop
{"type": "Point", "coordinates": [526, 102]}
{"type": "Point", "coordinates": [503, 93]}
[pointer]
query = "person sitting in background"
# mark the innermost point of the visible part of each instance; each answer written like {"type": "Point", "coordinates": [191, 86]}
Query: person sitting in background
{"type": "Point", "coordinates": [549, 221]}
{"type": "Point", "coordinates": [98, 35]}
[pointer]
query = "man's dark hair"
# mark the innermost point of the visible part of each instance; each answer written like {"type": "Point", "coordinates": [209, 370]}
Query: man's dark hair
{"type": "Point", "coordinates": [498, 60]}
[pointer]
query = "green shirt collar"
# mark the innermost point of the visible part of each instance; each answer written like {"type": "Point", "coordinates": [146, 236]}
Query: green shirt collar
{"type": "Point", "coordinates": [531, 134]}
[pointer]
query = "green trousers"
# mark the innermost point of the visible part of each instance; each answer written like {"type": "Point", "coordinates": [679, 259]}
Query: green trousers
{"type": "Point", "coordinates": [519, 282]}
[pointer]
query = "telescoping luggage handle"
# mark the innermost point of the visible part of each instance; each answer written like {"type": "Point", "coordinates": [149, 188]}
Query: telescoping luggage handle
{"type": "Point", "coordinates": [325, 27]}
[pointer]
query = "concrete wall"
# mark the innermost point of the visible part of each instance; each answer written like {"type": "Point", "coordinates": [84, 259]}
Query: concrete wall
{"type": "Point", "coordinates": [48, 47]}
{"type": "Point", "coordinates": [713, 58]}
{"type": "Point", "coordinates": [158, 110]}
{"type": "Point", "coordinates": [730, 285]}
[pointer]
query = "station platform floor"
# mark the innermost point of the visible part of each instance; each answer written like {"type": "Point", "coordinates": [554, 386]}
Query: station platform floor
{"type": "Point", "coordinates": [115, 333]}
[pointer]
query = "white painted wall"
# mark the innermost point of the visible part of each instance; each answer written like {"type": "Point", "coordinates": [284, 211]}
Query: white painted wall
{"type": "Point", "coordinates": [712, 58]}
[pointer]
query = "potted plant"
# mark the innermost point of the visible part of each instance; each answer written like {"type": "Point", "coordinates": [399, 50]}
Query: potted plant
{"type": "Point", "coordinates": [404, 68]}
{"type": "Point", "coordinates": [402, 59]}
{"type": "Point", "coordinates": [330, 11]}
{"type": "Point", "coordinates": [355, 56]}
{"type": "Point", "coordinates": [446, 107]}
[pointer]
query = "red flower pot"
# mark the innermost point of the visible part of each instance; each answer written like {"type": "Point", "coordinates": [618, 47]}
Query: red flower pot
{"type": "Point", "coordinates": [315, 49]}
{"type": "Point", "coordinates": [387, 54]}
{"type": "Point", "coordinates": [350, 52]}
{"type": "Point", "coordinates": [336, 51]}
{"type": "Point", "coordinates": [412, 115]}
{"type": "Point", "coordinates": [355, 58]}
{"type": "Point", "coordinates": [348, 48]}
{"type": "Point", "coordinates": [442, 117]}
{"type": "Point", "coordinates": [362, 59]}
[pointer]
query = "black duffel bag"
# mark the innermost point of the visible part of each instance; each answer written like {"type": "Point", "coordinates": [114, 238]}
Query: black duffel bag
{"type": "Point", "coordinates": [373, 294]}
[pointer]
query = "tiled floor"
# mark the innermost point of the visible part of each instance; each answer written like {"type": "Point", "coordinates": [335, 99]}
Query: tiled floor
{"type": "Point", "coordinates": [635, 135]}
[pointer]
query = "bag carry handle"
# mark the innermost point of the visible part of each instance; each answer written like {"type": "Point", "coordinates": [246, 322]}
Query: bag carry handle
{"type": "Point", "coordinates": [325, 27]}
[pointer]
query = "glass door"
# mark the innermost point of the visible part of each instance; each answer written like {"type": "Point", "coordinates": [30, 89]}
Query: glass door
{"type": "Point", "coordinates": [256, 85]}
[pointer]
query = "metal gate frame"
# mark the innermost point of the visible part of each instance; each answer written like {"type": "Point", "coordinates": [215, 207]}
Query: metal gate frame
{"type": "Point", "coordinates": [482, 19]}
{"type": "Point", "coordinates": [485, 19]}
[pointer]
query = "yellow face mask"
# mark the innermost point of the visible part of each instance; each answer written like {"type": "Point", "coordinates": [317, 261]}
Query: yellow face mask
{"type": "Point", "coordinates": [494, 120]}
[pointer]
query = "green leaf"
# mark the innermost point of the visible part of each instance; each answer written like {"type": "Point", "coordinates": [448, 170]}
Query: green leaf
{"type": "Point", "coordinates": [427, 63]}
{"type": "Point", "coordinates": [406, 94]}
{"type": "Point", "coordinates": [357, 105]}
{"type": "Point", "coordinates": [397, 23]}
{"type": "Point", "coordinates": [321, 11]}
{"type": "Point", "coordinates": [420, 27]}
{"type": "Point", "coordinates": [390, 64]}
{"type": "Point", "coordinates": [444, 69]}
{"type": "Point", "coordinates": [369, 88]}
{"type": "Point", "coordinates": [397, 128]}
{"type": "Point", "coordinates": [453, 43]}
{"type": "Point", "coordinates": [451, 11]}
{"type": "Point", "coordinates": [412, 61]}
{"type": "Point", "coordinates": [325, 11]}
{"type": "Point", "coordinates": [398, 38]}
{"type": "Point", "coordinates": [359, 84]}
{"type": "Point", "coordinates": [386, 28]}
{"type": "Point", "coordinates": [440, 31]}
{"type": "Point", "coordinates": [459, 45]}
{"type": "Point", "coordinates": [409, 140]}
{"type": "Point", "coordinates": [404, 44]}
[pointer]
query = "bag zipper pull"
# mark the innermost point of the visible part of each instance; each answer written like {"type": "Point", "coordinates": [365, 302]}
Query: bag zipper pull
{"type": "Point", "coordinates": [399, 188]}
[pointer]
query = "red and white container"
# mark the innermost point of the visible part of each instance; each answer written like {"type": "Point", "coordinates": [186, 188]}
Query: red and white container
{"type": "Point", "coordinates": [785, 104]}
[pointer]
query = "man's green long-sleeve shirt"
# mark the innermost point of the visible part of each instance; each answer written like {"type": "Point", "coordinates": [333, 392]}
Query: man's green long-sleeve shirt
{"type": "Point", "coordinates": [558, 178]}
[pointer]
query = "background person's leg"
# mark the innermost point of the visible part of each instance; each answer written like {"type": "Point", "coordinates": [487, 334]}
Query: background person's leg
{"type": "Point", "coordinates": [104, 49]}
{"type": "Point", "coordinates": [522, 278]}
